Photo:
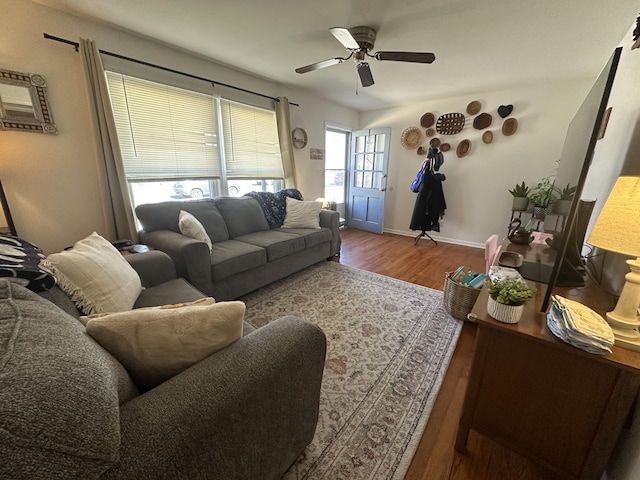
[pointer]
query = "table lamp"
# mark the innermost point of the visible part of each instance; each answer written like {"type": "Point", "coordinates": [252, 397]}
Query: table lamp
{"type": "Point", "coordinates": [618, 229]}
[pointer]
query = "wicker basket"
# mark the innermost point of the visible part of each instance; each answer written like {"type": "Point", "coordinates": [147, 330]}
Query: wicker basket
{"type": "Point", "coordinates": [459, 299]}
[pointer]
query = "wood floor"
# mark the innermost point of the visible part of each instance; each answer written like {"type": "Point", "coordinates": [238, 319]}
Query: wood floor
{"type": "Point", "coordinates": [425, 264]}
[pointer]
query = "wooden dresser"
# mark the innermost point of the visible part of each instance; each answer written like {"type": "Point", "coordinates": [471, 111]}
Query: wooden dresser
{"type": "Point", "coordinates": [543, 398]}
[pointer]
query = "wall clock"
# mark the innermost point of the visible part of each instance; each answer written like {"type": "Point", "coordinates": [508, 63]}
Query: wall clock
{"type": "Point", "coordinates": [299, 137]}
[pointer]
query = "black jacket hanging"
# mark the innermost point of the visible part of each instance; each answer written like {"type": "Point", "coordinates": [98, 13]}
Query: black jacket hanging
{"type": "Point", "coordinates": [430, 203]}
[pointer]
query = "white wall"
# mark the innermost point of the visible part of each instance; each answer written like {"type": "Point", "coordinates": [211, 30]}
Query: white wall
{"type": "Point", "coordinates": [476, 186]}
{"type": "Point", "coordinates": [51, 181]}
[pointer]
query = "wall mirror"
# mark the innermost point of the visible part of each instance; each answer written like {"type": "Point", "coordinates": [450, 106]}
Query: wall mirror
{"type": "Point", "coordinates": [23, 103]}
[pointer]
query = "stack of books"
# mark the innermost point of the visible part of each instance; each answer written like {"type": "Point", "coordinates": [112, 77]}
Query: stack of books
{"type": "Point", "coordinates": [579, 326]}
{"type": "Point", "coordinates": [466, 276]}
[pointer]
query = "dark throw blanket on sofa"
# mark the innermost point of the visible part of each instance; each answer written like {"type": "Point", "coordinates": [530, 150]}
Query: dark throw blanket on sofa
{"type": "Point", "coordinates": [274, 205]}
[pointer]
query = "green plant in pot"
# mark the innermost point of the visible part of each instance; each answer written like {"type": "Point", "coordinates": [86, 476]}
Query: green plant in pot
{"type": "Point", "coordinates": [563, 204]}
{"type": "Point", "coordinates": [507, 297]}
{"type": "Point", "coordinates": [542, 195]}
{"type": "Point", "coordinates": [520, 196]}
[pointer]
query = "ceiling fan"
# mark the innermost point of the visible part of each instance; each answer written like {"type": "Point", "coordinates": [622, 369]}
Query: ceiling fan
{"type": "Point", "coordinates": [358, 41]}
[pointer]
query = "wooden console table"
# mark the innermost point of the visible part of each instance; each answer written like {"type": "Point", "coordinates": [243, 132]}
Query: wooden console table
{"type": "Point", "coordinates": [545, 399]}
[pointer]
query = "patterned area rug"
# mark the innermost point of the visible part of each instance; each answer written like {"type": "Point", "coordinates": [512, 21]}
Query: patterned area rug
{"type": "Point", "coordinates": [388, 347]}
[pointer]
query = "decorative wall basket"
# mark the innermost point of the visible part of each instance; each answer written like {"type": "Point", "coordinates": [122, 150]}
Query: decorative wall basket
{"type": "Point", "coordinates": [411, 138]}
{"type": "Point", "coordinates": [427, 120]}
{"type": "Point", "coordinates": [504, 313]}
{"type": "Point", "coordinates": [482, 121]}
{"type": "Point", "coordinates": [509, 127]}
{"type": "Point", "coordinates": [463, 148]}
{"type": "Point", "coordinates": [450, 123]}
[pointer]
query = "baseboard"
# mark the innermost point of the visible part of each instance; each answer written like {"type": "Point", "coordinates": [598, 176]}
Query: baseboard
{"type": "Point", "coordinates": [435, 236]}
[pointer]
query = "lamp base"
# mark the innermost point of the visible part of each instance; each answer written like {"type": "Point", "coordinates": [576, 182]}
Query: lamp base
{"type": "Point", "coordinates": [627, 338]}
{"type": "Point", "coordinates": [624, 318]}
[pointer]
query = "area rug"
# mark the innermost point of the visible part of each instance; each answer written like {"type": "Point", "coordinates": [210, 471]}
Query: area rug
{"type": "Point", "coordinates": [389, 343]}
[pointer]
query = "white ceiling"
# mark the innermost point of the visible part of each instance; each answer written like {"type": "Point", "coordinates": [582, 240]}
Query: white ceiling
{"type": "Point", "coordinates": [480, 46]}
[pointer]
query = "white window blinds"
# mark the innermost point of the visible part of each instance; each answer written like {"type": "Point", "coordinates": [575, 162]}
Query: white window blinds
{"type": "Point", "coordinates": [251, 142]}
{"type": "Point", "coordinates": [164, 132]}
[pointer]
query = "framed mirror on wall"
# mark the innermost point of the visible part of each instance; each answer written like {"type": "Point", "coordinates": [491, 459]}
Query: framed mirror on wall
{"type": "Point", "coordinates": [23, 103]}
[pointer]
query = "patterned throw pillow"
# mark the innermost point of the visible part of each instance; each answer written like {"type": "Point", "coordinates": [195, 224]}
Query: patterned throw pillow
{"type": "Point", "coordinates": [20, 263]}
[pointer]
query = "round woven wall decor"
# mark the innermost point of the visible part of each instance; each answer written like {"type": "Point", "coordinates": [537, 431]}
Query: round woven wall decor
{"type": "Point", "coordinates": [411, 138]}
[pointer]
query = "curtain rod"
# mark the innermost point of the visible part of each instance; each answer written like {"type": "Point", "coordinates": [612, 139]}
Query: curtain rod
{"type": "Point", "coordinates": [166, 69]}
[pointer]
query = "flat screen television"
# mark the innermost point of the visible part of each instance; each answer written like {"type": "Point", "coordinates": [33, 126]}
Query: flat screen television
{"type": "Point", "coordinates": [577, 153]}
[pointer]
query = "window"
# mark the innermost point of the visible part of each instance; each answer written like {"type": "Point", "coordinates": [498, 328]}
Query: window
{"type": "Point", "coordinates": [177, 143]}
{"type": "Point", "coordinates": [336, 143]}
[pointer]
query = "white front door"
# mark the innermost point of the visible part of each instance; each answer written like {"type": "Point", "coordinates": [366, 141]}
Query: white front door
{"type": "Point", "coordinates": [368, 179]}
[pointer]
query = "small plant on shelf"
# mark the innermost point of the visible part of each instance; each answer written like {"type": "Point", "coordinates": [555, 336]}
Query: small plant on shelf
{"type": "Point", "coordinates": [520, 196]}
{"type": "Point", "coordinates": [568, 192]}
{"type": "Point", "coordinates": [563, 204]}
{"type": "Point", "coordinates": [544, 193]}
{"type": "Point", "coordinates": [509, 291]}
{"type": "Point", "coordinates": [521, 190]}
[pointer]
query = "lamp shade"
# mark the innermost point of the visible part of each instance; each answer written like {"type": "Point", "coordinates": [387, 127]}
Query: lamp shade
{"type": "Point", "coordinates": [618, 225]}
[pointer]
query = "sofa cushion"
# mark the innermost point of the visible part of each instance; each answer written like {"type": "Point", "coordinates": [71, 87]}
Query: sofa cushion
{"type": "Point", "coordinates": [164, 216]}
{"type": "Point", "coordinates": [302, 214]}
{"type": "Point", "coordinates": [242, 215]}
{"type": "Point", "coordinates": [167, 293]}
{"type": "Point", "coordinates": [191, 227]}
{"type": "Point", "coordinates": [232, 256]}
{"type": "Point", "coordinates": [156, 343]}
{"type": "Point", "coordinates": [277, 244]}
{"type": "Point", "coordinates": [59, 415]}
{"type": "Point", "coordinates": [96, 276]}
{"type": "Point", "coordinates": [312, 236]}
{"type": "Point", "coordinates": [20, 262]}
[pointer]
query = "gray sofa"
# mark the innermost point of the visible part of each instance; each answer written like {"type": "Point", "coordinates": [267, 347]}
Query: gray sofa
{"type": "Point", "coordinates": [248, 252]}
{"type": "Point", "coordinates": [69, 410]}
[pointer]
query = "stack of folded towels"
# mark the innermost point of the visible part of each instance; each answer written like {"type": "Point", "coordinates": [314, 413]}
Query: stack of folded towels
{"type": "Point", "coordinates": [579, 326]}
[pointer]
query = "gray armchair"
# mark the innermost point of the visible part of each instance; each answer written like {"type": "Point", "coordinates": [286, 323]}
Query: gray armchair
{"type": "Point", "coordinates": [69, 410]}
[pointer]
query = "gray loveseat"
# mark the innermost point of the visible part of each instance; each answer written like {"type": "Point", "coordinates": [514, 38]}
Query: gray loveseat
{"type": "Point", "coordinates": [248, 252]}
{"type": "Point", "coordinates": [69, 410]}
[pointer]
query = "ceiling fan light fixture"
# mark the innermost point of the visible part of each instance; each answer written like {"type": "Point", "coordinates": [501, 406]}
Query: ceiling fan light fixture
{"type": "Point", "coordinates": [364, 72]}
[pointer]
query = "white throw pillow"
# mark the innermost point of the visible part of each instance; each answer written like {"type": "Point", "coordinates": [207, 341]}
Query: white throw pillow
{"type": "Point", "coordinates": [95, 275]}
{"type": "Point", "coordinates": [191, 227]}
{"type": "Point", "coordinates": [156, 343]}
{"type": "Point", "coordinates": [302, 214]}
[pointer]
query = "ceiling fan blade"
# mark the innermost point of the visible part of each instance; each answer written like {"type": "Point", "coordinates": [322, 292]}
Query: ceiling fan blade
{"type": "Point", "coordinates": [416, 57]}
{"type": "Point", "coordinates": [319, 65]}
{"type": "Point", "coordinates": [365, 74]}
{"type": "Point", "coordinates": [345, 38]}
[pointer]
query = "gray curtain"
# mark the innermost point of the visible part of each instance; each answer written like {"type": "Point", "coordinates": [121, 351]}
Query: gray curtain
{"type": "Point", "coordinates": [116, 203]}
{"type": "Point", "coordinates": [286, 146]}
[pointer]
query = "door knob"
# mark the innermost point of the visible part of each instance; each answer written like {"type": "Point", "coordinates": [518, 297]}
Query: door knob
{"type": "Point", "coordinates": [383, 189]}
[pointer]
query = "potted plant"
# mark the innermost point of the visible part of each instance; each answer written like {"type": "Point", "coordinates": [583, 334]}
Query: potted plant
{"type": "Point", "coordinates": [542, 195]}
{"type": "Point", "coordinates": [507, 297]}
{"type": "Point", "coordinates": [520, 196]}
{"type": "Point", "coordinates": [563, 204]}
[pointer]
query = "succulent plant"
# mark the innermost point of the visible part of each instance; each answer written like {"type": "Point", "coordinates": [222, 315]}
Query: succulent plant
{"type": "Point", "coordinates": [568, 192]}
{"type": "Point", "coordinates": [521, 190]}
{"type": "Point", "coordinates": [509, 291]}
